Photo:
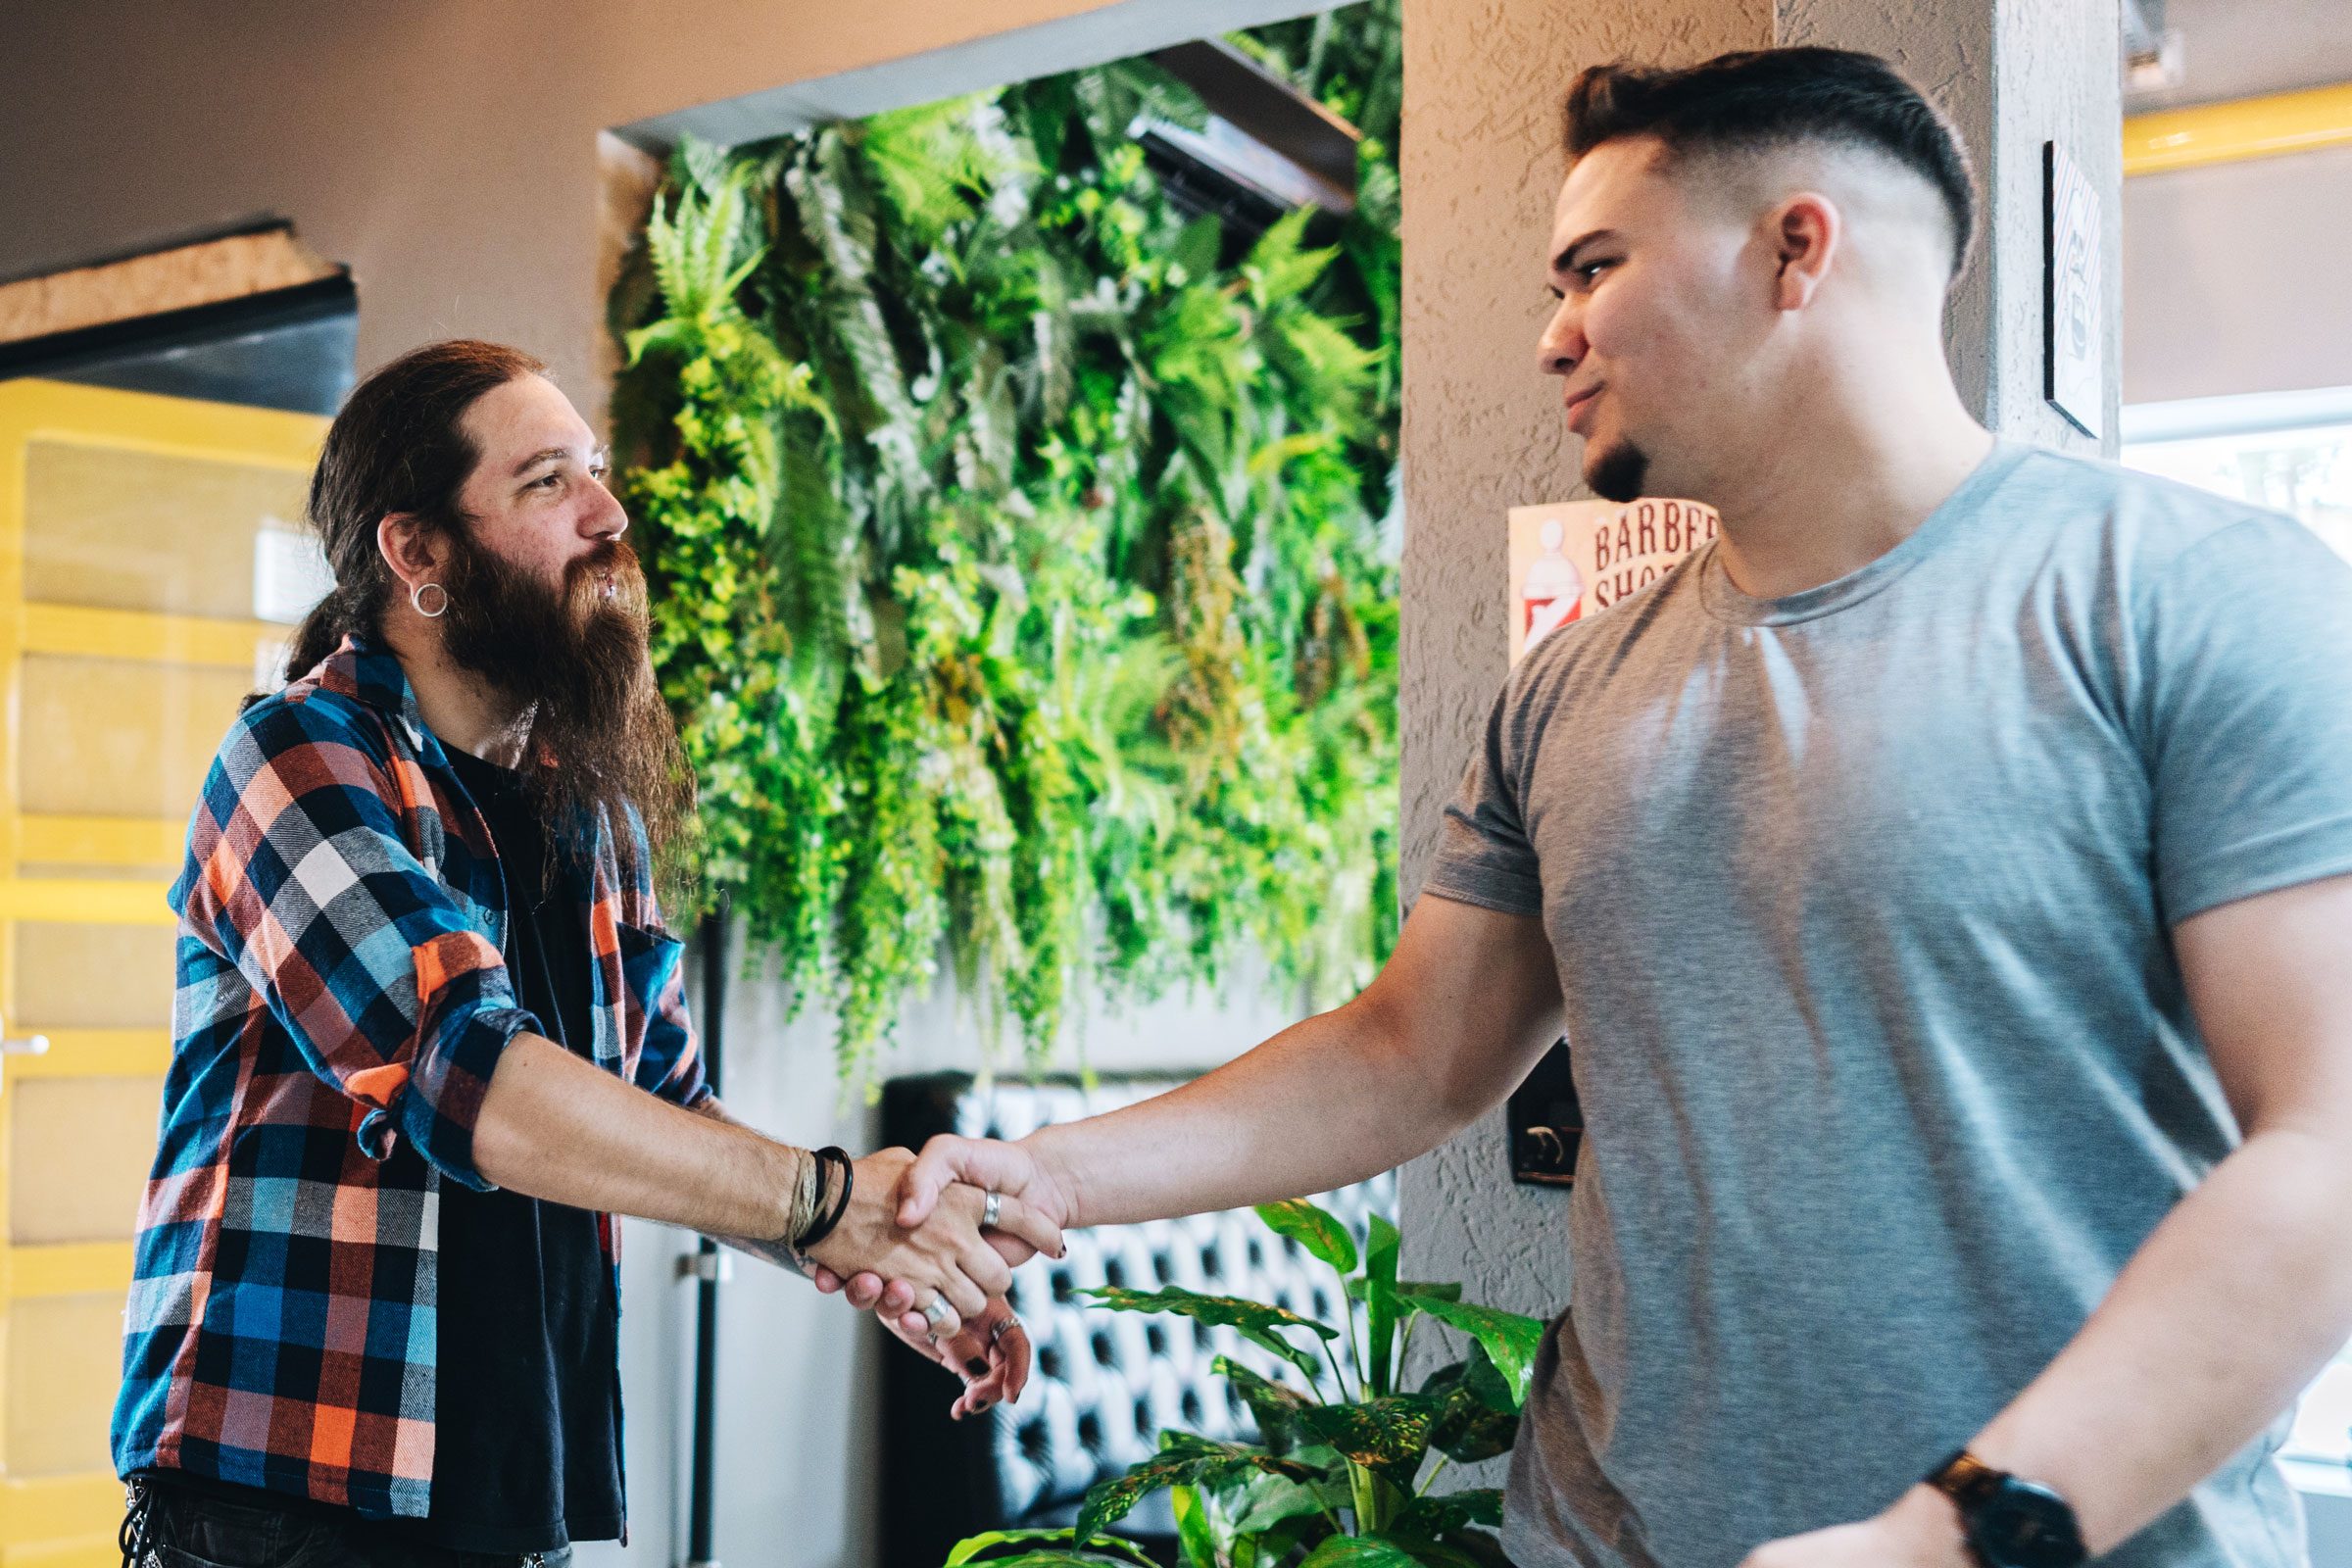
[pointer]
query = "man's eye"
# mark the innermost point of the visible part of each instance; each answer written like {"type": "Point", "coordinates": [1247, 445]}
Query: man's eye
{"type": "Point", "coordinates": [550, 480]}
{"type": "Point", "coordinates": [1589, 269]}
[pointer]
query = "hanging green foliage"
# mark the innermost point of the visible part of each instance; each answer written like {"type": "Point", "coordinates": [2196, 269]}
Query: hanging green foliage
{"type": "Point", "coordinates": [1024, 553]}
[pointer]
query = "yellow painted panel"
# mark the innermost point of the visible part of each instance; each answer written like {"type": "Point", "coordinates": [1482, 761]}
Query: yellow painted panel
{"type": "Point", "coordinates": [86, 900]}
{"type": "Point", "coordinates": [113, 841]}
{"type": "Point", "coordinates": [149, 530]}
{"type": "Point", "coordinates": [114, 737]}
{"type": "Point", "coordinates": [2237, 129]}
{"type": "Point", "coordinates": [96, 1053]}
{"type": "Point", "coordinates": [91, 976]}
{"type": "Point", "coordinates": [90, 1548]}
{"type": "Point", "coordinates": [56, 1508]}
{"type": "Point", "coordinates": [71, 1268]}
{"type": "Point", "coordinates": [68, 880]}
{"type": "Point", "coordinates": [80, 1159]}
{"type": "Point", "coordinates": [63, 1364]}
{"type": "Point", "coordinates": [244, 645]}
{"type": "Point", "coordinates": [34, 410]}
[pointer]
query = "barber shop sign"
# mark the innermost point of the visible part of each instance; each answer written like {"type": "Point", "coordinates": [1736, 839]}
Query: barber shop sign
{"type": "Point", "coordinates": [1573, 558]}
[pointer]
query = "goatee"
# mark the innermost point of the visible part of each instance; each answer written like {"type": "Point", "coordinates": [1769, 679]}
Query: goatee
{"type": "Point", "coordinates": [573, 659]}
{"type": "Point", "coordinates": [1617, 472]}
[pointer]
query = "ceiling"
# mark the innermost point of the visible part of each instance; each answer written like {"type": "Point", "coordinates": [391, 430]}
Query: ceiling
{"type": "Point", "coordinates": [2241, 48]}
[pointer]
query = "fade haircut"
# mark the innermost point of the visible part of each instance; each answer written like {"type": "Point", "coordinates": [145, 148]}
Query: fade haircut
{"type": "Point", "coordinates": [1760, 100]}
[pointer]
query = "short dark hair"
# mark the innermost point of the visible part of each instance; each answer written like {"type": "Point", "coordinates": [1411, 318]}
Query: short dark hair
{"type": "Point", "coordinates": [1763, 98]}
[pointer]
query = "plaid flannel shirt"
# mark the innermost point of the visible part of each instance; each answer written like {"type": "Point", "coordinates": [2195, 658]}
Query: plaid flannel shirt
{"type": "Point", "coordinates": [341, 989]}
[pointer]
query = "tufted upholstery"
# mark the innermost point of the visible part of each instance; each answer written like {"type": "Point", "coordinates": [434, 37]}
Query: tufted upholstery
{"type": "Point", "coordinates": [1105, 1383]}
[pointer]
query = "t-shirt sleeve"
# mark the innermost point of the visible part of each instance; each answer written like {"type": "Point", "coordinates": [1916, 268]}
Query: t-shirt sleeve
{"type": "Point", "coordinates": [1483, 856]}
{"type": "Point", "coordinates": [2248, 717]}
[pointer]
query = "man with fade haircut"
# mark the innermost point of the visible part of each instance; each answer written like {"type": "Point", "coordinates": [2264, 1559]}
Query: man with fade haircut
{"type": "Point", "coordinates": [431, 1036]}
{"type": "Point", "coordinates": [1940, 880]}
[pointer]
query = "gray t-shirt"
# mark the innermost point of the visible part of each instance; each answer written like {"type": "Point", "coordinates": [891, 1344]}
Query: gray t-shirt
{"type": "Point", "coordinates": [1860, 901]}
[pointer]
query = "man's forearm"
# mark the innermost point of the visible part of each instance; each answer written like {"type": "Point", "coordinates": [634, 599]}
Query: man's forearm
{"type": "Point", "coordinates": [559, 1128]}
{"type": "Point", "coordinates": [779, 1252]}
{"type": "Point", "coordinates": [1327, 1102]}
{"type": "Point", "coordinates": [2225, 1314]}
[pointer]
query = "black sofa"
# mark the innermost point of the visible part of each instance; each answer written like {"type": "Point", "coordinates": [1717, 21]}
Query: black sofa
{"type": "Point", "coordinates": [1105, 1383]}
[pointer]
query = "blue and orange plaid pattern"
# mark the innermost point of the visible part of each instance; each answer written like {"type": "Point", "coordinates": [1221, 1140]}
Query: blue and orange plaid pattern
{"type": "Point", "coordinates": [341, 1006]}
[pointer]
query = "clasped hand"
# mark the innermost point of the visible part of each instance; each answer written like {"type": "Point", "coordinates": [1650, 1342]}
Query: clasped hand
{"type": "Point", "coordinates": [898, 1267]}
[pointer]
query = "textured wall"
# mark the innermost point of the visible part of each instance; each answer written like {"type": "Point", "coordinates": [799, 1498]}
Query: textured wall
{"type": "Point", "coordinates": [1482, 430]}
{"type": "Point", "coordinates": [2011, 77]}
{"type": "Point", "coordinates": [1483, 88]}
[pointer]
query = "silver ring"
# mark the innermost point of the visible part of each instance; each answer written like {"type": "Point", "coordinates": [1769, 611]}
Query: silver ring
{"type": "Point", "coordinates": [992, 1208]}
{"type": "Point", "coordinates": [936, 1311]}
{"type": "Point", "coordinates": [1001, 1327]}
{"type": "Point", "coordinates": [416, 601]}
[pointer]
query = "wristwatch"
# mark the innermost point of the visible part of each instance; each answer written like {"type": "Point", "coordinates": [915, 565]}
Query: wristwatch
{"type": "Point", "coordinates": [2009, 1522]}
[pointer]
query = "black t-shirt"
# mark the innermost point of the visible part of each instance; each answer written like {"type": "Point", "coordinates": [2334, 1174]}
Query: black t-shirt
{"type": "Point", "coordinates": [526, 1454]}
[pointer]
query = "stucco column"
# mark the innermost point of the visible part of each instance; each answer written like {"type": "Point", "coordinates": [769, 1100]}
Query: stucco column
{"type": "Point", "coordinates": [1484, 85]}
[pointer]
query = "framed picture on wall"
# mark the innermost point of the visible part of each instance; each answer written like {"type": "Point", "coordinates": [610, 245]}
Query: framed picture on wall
{"type": "Point", "coordinates": [2074, 329]}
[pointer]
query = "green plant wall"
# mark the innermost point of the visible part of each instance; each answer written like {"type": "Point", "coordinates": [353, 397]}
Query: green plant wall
{"type": "Point", "coordinates": [1023, 554]}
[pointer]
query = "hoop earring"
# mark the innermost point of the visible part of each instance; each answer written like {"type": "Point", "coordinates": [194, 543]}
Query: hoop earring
{"type": "Point", "coordinates": [416, 601]}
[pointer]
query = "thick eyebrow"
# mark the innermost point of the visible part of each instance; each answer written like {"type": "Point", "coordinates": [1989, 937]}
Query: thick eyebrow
{"type": "Point", "coordinates": [1565, 262]}
{"type": "Point", "coordinates": [549, 455]}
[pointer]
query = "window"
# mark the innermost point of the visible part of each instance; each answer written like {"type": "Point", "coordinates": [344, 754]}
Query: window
{"type": "Point", "coordinates": [2291, 453]}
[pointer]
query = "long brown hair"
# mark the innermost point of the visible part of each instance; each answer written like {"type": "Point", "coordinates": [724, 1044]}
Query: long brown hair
{"type": "Point", "coordinates": [396, 445]}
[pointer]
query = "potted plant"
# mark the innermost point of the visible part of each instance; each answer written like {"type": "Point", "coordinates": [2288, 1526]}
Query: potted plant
{"type": "Point", "coordinates": [1341, 1476]}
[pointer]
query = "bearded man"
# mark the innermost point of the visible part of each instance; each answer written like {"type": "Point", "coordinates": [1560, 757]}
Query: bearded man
{"type": "Point", "coordinates": [431, 1036]}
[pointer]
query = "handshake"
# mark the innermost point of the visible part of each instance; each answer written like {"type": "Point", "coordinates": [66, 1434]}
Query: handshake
{"type": "Point", "coordinates": [929, 1245]}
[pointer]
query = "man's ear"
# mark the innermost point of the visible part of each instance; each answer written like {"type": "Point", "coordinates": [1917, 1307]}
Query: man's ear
{"type": "Point", "coordinates": [1806, 232]}
{"type": "Point", "coordinates": [412, 549]}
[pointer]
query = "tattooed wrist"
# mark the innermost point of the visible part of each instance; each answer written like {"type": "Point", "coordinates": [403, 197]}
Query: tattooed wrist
{"type": "Point", "coordinates": [779, 1252]}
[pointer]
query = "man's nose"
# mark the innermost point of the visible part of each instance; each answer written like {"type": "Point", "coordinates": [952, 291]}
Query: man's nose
{"type": "Point", "coordinates": [606, 521]}
{"type": "Point", "coordinates": [1561, 345]}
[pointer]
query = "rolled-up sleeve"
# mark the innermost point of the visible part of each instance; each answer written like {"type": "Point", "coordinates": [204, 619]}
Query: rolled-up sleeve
{"type": "Point", "coordinates": [670, 1062]}
{"type": "Point", "coordinates": [300, 874]}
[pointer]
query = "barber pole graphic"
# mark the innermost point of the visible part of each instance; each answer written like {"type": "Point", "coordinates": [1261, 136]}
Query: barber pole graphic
{"type": "Point", "coordinates": [1573, 558]}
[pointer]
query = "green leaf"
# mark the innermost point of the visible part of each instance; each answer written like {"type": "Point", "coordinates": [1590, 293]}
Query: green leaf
{"type": "Point", "coordinates": [1432, 1517]}
{"type": "Point", "coordinates": [1263, 1501]}
{"type": "Point", "coordinates": [1360, 1551]}
{"type": "Point", "coordinates": [1255, 1321]}
{"type": "Point", "coordinates": [1510, 1339]}
{"type": "Point", "coordinates": [1441, 1290]}
{"type": "Point", "coordinates": [1194, 1537]}
{"type": "Point", "coordinates": [1184, 1459]}
{"type": "Point", "coordinates": [1195, 249]}
{"type": "Point", "coordinates": [1477, 1418]}
{"type": "Point", "coordinates": [1315, 1229]}
{"type": "Point", "coordinates": [1113, 1549]}
{"type": "Point", "coordinates": [1275, 1406]}
{"type": "Point", "coordinates": [1382, 1318]}
{"type": "Point", "coordinates": [1278, 266]}
{"type": "Point", "coordinates": [1386, 1436]}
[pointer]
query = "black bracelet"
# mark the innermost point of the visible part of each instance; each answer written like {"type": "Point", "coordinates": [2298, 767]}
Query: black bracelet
{"type": "Point", "coordinates": [829, 1216]}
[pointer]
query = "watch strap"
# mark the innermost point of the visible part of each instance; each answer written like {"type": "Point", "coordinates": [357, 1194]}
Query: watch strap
{"type": "Point", "coordinates": [1966, 1479]}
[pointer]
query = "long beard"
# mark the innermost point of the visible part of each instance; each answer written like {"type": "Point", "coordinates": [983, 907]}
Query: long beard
{"type": "Point", "coordinates": [573, 659]}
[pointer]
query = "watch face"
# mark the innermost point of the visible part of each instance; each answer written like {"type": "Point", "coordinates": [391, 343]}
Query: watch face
{"type": "Point", "coordinates": [2021, 1524]}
